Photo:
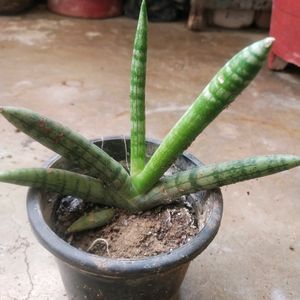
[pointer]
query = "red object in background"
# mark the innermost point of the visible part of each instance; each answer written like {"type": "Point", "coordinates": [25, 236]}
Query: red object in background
{"type": "Point", "coordinates": [87, 8]}
{"type": "Point", "coordinates": [285, 28]}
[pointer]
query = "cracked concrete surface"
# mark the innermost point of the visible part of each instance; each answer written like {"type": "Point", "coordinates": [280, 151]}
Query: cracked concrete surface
{"type": "Point", "coordinates": [22, 244]}
{"type": "Point", "coordinates": [77, 71]}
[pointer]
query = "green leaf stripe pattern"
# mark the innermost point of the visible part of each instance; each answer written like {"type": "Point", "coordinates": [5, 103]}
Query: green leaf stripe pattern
{"type": "Point", "coordinates": [60, 181]}
{"type": "Point", "coordinates": [216, 175]}
{"type": "Point", "coordinates": [92, 220]}
{"type": "Point", "coordinates": [217, 95]}
{"type": "Point", "coordinates": [137, 94]}
{"type": "Point", "coordinates": [68, 144]}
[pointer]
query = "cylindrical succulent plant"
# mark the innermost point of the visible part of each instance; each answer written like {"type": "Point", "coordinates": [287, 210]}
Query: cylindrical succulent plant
{"type": "Point", "coordinates": [106, 181]}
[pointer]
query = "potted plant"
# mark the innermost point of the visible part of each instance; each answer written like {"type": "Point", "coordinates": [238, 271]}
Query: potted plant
{"type": "Point", "coordinates": [98, 172]}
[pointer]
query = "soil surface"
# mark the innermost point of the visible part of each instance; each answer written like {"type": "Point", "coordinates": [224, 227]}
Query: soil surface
{"type": "Point", "coordinates": [129, 235]}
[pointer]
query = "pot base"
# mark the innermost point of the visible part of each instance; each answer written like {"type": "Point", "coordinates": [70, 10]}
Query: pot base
{"type": "Point", "coordinates": [80, 285]}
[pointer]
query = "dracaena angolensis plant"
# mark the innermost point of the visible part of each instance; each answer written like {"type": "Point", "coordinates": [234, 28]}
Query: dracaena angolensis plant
{"type": "Point", "coordinates": [143, 187]}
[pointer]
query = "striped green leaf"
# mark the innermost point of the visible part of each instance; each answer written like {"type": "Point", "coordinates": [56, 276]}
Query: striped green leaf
{"type": "Point", "coordinates": [92, 220]}
{"type": "Point", "coordinates": [216, 175]}
{"type": "Point", "coordinates": [68, 144]}
{"type": "Point", "coordinates": [60, 181]}
{"type": "Point", "coordinates": [218, 94]}
{"type": "Point", "coordinates": [137, 94]}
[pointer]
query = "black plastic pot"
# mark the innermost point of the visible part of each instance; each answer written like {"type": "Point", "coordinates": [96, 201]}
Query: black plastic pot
{"type": "Point", "coordinates": [87, 276]}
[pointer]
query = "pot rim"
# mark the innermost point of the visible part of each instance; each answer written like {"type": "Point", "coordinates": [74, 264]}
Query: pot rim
{"type": "Point", "coordinates": [95, 264]}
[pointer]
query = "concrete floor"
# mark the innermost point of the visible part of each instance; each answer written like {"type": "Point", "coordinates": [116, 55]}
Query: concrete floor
{"type": "Point", "coordinates": [77, 71]}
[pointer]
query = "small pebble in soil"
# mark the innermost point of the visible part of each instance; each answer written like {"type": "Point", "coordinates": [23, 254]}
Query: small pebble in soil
{"type": "Point", "coordinates": [69, 209]}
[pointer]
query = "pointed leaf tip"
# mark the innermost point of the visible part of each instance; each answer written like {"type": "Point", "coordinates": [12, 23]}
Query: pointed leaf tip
{"type": "Point", "coordinates": [143, 9]}
{"type": "Point", "coordinates": [3, 108]}
{"type": "Point", "coordinates": [269, 41]}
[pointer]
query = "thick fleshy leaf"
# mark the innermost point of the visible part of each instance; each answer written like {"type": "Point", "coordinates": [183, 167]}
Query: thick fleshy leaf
{"type": "Point", "coordinates": [92, 220]}
{"type": "Point", "coordinates": [60, 181]}
{"type": "Point", "coordinates": [218, 94]}
{"type": "Point", "coordinates": [213, 176]}
{"type": "Point", "coordinates": [68, 144]}
{"type": "Point", "coordinates": [137, 94]}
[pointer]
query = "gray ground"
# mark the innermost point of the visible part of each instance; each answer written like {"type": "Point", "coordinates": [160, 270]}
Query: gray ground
{"type": "Point", "coordinates": [77, 71]}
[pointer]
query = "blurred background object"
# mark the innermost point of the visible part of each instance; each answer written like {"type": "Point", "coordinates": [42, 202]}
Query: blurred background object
{"type": "Point", "coordinates": [232, 14]}
{"type": "Point", "coordinates": [14, 6]}
{"type": "Point", "coordinates": [159, 10]}
{"type": "Point", "coordinates": [285, 27]}
{"type": "Point", "coordinates": [87, 8]}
